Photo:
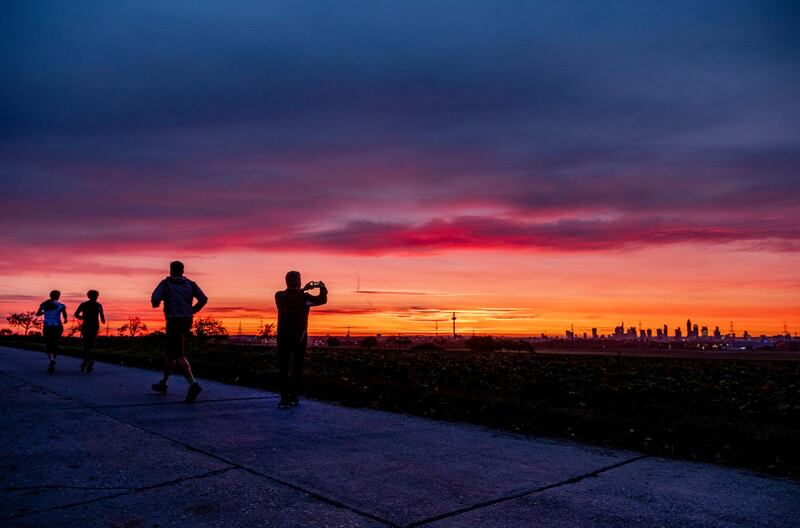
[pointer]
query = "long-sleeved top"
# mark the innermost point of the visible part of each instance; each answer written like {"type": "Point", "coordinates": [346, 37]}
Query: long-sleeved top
{"type": "Point", "coordinates": [177, 294]}
{"type": "Point", "coordinates": [293, 307]}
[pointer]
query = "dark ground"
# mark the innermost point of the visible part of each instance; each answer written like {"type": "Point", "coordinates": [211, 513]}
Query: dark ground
{"type": "Point", "coordinates": [736, 412]}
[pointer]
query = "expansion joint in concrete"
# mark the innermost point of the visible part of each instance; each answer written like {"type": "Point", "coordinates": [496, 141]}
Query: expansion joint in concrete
{"type": "Point", "coordinates": [523, 493]}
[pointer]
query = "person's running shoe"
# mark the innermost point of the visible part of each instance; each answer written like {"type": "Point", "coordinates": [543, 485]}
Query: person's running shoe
{"type": "Point", "coordinates": [52, 367]}
{"type": "Point", "coordinates": [159, 387]}
{"type": "Point", "coordinates": [83, 366]}
{"type": "Point", "coordinates": [194, 390]}
{"type": "Point", "coordinates": [284, 404]}
{"type": "Point", "coordinates": [89, 367]}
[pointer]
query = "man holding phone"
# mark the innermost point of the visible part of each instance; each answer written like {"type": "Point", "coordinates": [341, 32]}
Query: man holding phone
{"type": "Point", "coordinates": [293, 304]}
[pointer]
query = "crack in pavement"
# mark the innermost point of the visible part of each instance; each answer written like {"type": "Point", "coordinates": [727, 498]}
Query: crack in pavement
{"type": "Point", "coordinates": [129, 491]}
{"type": "Point", "coordinates": [525, 493]}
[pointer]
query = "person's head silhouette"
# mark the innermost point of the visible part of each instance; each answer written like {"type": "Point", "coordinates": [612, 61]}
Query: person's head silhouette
{"type": "Point", "coordinates": [55, 295]}
{"type": "Point", "coordinates": [176, 268]}
{"type": "Point", "coordinates": [93, 295]}
{"type": "Point", "coordinates": [293, 279]}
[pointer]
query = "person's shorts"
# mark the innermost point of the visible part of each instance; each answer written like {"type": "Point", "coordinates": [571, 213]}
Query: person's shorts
{"type": "Point", "coordinates": [89, 332]}
{"type": "Point", "coordinates": [179, 329]}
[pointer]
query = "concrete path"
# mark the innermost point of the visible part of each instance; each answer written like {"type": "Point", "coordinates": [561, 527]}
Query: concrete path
{"type": "Point", "coordinates": [81, 450]}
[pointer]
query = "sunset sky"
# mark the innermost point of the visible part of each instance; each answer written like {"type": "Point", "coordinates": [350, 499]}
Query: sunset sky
{"type": "Point", "coordinates": [527, 165]}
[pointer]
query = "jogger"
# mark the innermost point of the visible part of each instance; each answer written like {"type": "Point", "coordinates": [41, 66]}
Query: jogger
{"type": "Point", "coordinates": [53, 312]}
{"type": "Point", "coordinates": [177, 293]}
{"type": "Point", "coordinates": [90, 313]}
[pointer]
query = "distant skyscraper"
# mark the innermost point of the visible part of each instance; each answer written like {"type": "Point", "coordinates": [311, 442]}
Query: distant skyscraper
{"type": "Point", "coordinates": [688, 328]}
{"type": "Point", "coordinates": [649, 333]}
{"type": "Point", "coordinates": [594, 333]}
{"type": "Point", "coordinates": [678, 333]}
{"type": "Point", "coordinates": [666, 331]}
{"type": "Point", "coordinates": [717, 333]}
{"type": "Point", "coordinates": [704, 331]}
{"type": "Point", "coordinates": [659, 333]}
{"type": "Point", "coordinates": [695, 331]}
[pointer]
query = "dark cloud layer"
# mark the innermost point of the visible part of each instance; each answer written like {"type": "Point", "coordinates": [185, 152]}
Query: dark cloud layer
{"type": "Point", "coordinates": [395, 127]}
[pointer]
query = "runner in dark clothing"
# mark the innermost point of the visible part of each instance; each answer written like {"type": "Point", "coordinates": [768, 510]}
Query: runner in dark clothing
{"type": "Point", "coordinates": [91, 314]}
{"type": "Point", "coordinates": [53, 312]}
{"type": "Point", "coordinates": [177, 293]}
{"type": "Point", "coordinates": [293, 307]}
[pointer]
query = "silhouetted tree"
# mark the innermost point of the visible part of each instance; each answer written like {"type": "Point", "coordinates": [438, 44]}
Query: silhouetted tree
{"type": "Point", "coordinates": [75, 328]}
{"type": "Point", "coordinates": [133, 327]}
{"type": "Point", "coordinates": [267, 331]}
{"type": "Point", "coordinates": [205, 327]}
{"type": "Point", "coordinates": [6, 332]}
{"type": "Point", "coordinates": [24, 320]}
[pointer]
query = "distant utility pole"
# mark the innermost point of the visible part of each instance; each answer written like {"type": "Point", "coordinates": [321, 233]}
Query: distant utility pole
{"type": "Point", "coordinates": [437, 328]}
{"type": "Point", "coordinates": [454, 325]}
{"type": "Point", "coordinates": [240, 328]}
{"type": "Point", "coordinates": [348, 330]}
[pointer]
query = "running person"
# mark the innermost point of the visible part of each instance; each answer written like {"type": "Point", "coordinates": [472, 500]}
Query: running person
{"type": "Point", "coordinates": [53, 312]}
{"type": "Point", "coordinates": [293, 307]}
{"type": "Point", "coordinates": [91, 314]}
{"type": "Point", "coordinates": [177, 293]}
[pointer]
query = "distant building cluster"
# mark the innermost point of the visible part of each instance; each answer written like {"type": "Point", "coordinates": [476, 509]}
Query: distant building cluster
{"type": "Point", "coordinates": [692, 331]}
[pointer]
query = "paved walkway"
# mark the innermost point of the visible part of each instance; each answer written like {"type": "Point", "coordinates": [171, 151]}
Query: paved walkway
{"type": "Point", "coordinates": [92, 450]}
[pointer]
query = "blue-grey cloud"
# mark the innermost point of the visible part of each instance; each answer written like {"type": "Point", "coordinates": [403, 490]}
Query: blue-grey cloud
{"type": "Point", "coordinates": [301, 120]}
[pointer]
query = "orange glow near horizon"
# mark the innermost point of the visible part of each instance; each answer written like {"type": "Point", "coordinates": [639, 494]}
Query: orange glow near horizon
{"type": "Point", "coordinates": [492, 292]}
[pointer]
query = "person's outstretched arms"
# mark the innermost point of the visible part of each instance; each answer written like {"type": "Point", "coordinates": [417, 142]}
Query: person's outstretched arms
{"type": "Point", "coordinates": [318, 300]}
{"type": "Point", "coordinates": [102, 314]}
{"type": "Point", "coordinates": [79, 312]}
{"type": "Point", "coordinates": [40, 311]}
{"type": "Point", "coordinates": [158, 295]}
{"type": "Point", "coordinates": [198, 294]}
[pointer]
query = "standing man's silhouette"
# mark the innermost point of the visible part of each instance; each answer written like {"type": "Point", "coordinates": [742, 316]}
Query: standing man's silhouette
{"type": "Point", "coordinates": [177, 292]}
{"type": "Point", "coordinates": [293, 307]}
{"type": "Point", "coordinates": [90, 313]}
{"type": "Point", "coordinates": [53, 311]}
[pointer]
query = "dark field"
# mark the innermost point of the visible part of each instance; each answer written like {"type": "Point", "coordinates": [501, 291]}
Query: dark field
{"type": "Point", "coordinates": [736, 412]}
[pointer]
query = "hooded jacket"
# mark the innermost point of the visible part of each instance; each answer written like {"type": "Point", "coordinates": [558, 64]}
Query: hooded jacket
{"type": "Point", "coordinates": [177, 294]}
